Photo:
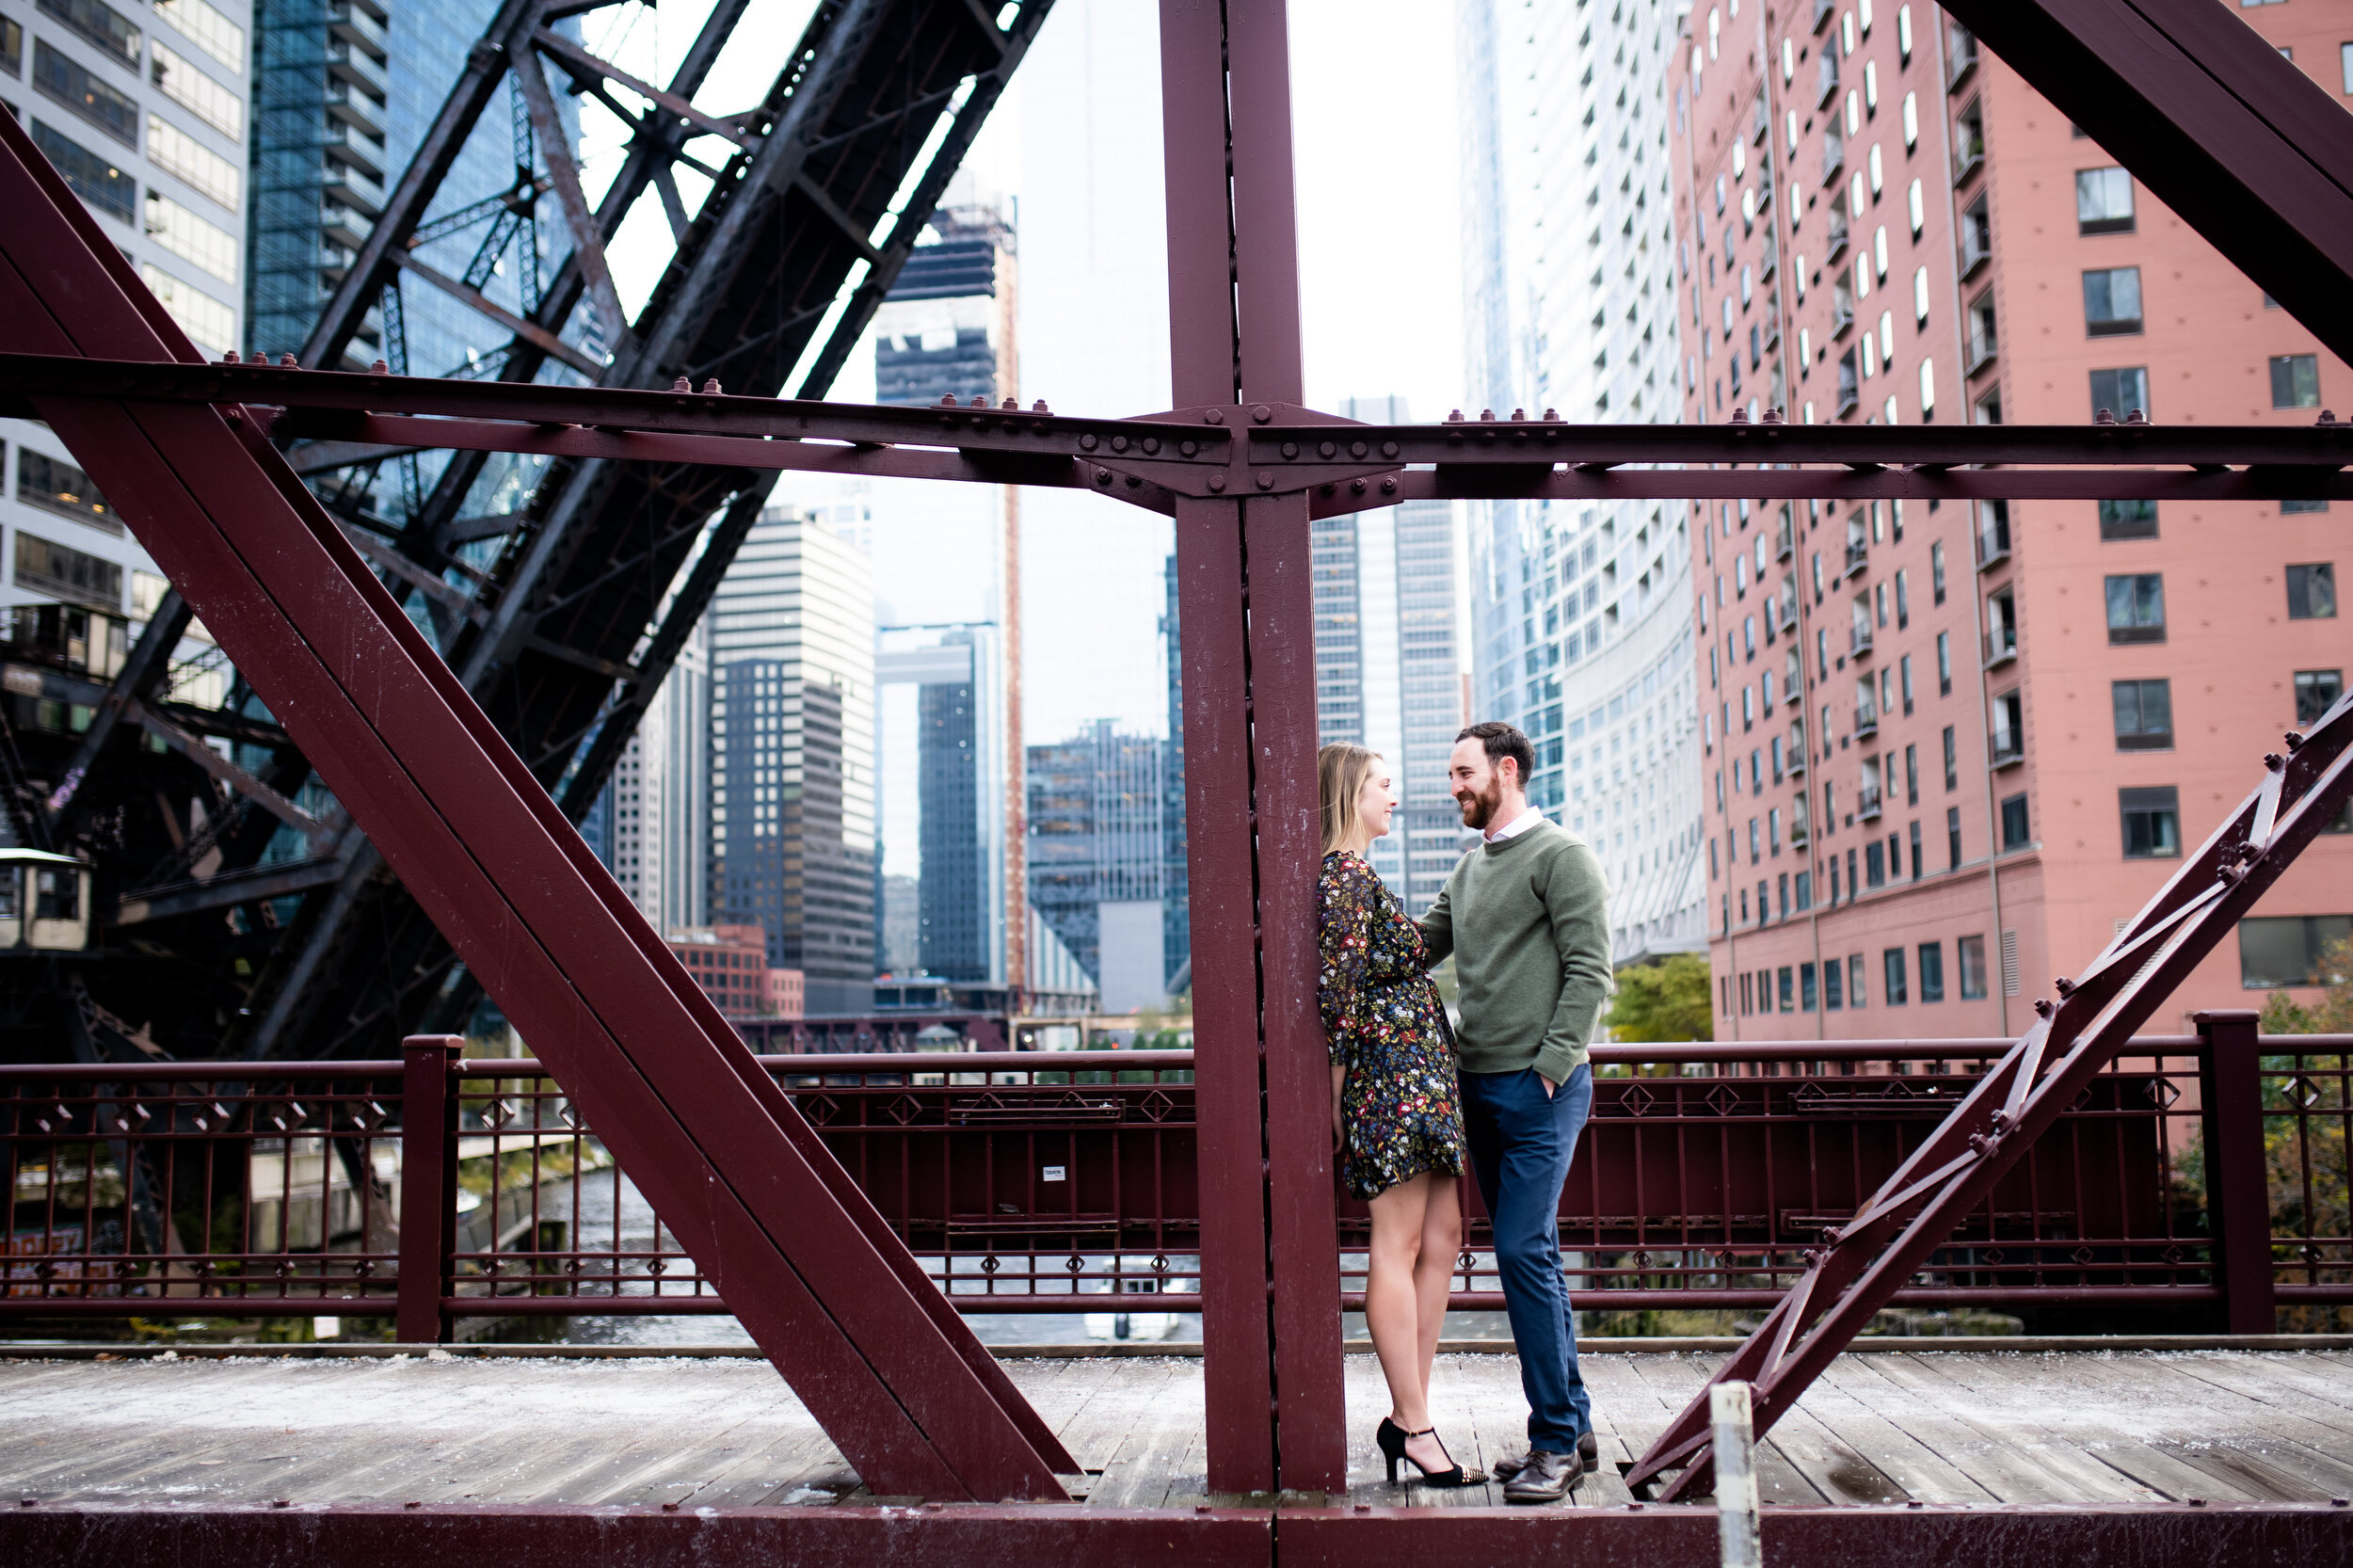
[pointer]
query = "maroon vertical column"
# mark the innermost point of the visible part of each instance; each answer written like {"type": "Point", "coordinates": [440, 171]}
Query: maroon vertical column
{"type": "Point", "coordinates": [2238, 1184]}
{"type": "Point", "coordinates": [1270, 1264]}
{"type": "Point", "coordinates": [428, 1172]}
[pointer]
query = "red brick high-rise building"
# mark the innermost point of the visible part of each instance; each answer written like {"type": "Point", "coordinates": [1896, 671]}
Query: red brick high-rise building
{"type": "Point", "coordinates": [1950, 749]}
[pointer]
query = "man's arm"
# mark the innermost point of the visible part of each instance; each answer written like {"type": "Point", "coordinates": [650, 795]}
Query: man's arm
{"type": "Point", "coordinates": [1437, 928]}
{"type": "Point", "coordinates": [1577, 900]}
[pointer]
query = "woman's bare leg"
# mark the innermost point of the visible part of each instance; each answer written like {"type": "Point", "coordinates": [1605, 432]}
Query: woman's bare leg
{"type": "Point", "coordinates": [1433, 1270]}
{"type": "Point", "coordinates": [1393, 1305]}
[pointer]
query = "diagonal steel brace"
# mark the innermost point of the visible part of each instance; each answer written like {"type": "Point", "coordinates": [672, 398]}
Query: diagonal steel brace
{"type": "Point", "coordinates": [838, 1303]}
{"type": "Point", "coordinates": [2073, 1042]}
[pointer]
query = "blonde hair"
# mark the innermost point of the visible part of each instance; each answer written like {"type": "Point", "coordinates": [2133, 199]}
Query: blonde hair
{"type": "Point", "coordinates": [1340, 773]}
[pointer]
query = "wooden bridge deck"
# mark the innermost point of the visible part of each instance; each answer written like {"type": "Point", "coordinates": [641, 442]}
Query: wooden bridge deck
{"type": "Point", "coordinates": [1946, 1429]}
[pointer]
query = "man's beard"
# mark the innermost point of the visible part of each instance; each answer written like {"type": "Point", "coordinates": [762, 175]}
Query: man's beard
{"type": "Point", "coordinates": [1480, 810]}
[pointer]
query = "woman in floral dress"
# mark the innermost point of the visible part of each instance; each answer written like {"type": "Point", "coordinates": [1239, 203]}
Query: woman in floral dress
{"type": "Point", "coordinates": [1395, 1108]}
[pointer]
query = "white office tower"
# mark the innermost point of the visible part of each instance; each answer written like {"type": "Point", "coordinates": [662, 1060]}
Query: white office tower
{"type": "Point", "coordinates": [1389, 663]}
{"type": "Point", "coordinates": [658, 830]}
{"type": "Point", "coordinates": [142, 110]}
{"type": "Point", "coordinates": [940, 762]}
{"type": "Point", "coordinates": [1582, 611]}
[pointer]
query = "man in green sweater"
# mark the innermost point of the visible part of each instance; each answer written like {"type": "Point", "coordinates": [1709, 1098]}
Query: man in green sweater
{"type": "Point", "coordinates": [1526, 916]}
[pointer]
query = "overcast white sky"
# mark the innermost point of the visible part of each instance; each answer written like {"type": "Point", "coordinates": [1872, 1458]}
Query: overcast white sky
{"type": "Point", "coordinates": [1077, 143]}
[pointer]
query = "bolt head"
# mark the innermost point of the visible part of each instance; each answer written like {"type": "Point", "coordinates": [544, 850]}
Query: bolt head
{"type": "Point", "coordinates": [1212, 416]}
{"type": "Point", "coordinates": [1188, 448]}
{"type": "Point", "coordinates": [1102, 477]}
{"type": "Point", "coordinates": [1260, 413]}
{"type": "Point", "coordinates": [1266, 481]}
{"type": "Point", "coordinates": [1388, 487]}
{"type": "Point", "coordinates": [978, 402]}
{"type": "Point", "coordinates": [1088, 442]}
{"type": "Point", "coordinates": [711, 387]}
{"type": "Point", "coordinates": [947, 400]}
{"type": "Point", "coordinates": [1217, 481]}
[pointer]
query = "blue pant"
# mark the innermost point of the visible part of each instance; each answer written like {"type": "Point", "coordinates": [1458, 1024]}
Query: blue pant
{"type": "Point", "coordinates": [1520, 1145]}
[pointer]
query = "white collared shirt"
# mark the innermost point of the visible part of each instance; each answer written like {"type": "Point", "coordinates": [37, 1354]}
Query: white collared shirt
{"type": "Point", "coordinates": [1516, 827]}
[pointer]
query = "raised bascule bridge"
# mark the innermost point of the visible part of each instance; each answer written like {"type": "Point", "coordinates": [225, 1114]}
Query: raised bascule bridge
{"type": "Point", "coordinates": [290, 1141]}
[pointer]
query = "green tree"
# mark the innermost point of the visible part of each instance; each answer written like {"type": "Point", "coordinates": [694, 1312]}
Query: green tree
{"type": "Point", "coordinates": [1667, 1000]}
{"type": "Point", "coordinates": [2331, 1015]}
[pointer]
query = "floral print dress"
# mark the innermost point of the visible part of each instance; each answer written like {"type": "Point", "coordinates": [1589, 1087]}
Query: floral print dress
{"type": "Point", "coordinates": [1382, 1015]}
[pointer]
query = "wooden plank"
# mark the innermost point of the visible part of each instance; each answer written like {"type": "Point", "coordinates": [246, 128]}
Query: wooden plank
{"type": "Point", "coordinates": [1918, 1405]}
{"type": "Point", "coordinates": [1924, 1474]}
{"type": "Point", "coordinates": [1674, 1381]}
{"type": "Point", "coordinates": [1830, 1465]}
{"type": "Point", "coordinates": [1108, 1402]}
{"type": "Point", "coordinates": [2273, 1382]}
{"type": "Point", "coordinates": [1164, 1453]}
{"type": "Point", "coordinates": [2168, 1473]}
{"type": "Point", "coordinates": [1990, 1403]}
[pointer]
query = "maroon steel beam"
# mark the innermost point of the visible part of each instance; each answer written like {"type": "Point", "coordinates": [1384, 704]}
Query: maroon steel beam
{"type": "Point", "coordinates": [1957, 1166]}
{"type": "Point", "coordinates": [2249, 149]}
{"type": "Point", "coordinates": [835, 1301]}
{"type": "Point", "coordinates": [1270, 1261]}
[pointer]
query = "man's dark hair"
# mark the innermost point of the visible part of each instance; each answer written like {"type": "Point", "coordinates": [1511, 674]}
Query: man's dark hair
{"type": "Point", "coordinates": [1500, 740]}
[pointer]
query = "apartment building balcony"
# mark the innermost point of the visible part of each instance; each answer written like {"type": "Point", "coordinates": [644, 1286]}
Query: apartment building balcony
{"type": "Point", "coordinates": [1785, 540]}
{"type": "Point", "coordinates": [1994, 538]}
{"type": "Point", "coordinates": [347, 63]}
{"type": "Point", "coordinates": [1783, 613]}
{"type": "Point", "coordinates": [1858, 556]}
{"type": "Point", "coordinates": [349, 187]}
{"type": "Point", "coordinates": [356, 108]}
{"type": "Point", "coordinates": [345, 145]}
{"type": "Point", "coordinates": [343, 228]}
{"type": "Point", "coordinates": [355, 24]}
{"type": "Point", "coordinates": [1866, 720]}
{"type": "Point", "coordinates": [2000, 646]}
{"type": "Point", "coordinates": [1826, 78]}
{"type": "Point", "coordinates": [1800, 832]}
{"type": "Point", "coordinates": [1834, 156]}
{"type": "Point", "coordinates": [1795, 763]}
{"type": "Point", "coordinates": [1961, 55]}
{"type": "Point", "coordinates": [1835, 235]}
{"type": "Point", "coordinates": [1760, 120]}
{"type": "Point", "coordinates": [2008, 748]}
{"type": "Point", "coordinates": [1858, 642]}
{"type": "Point", "coordinates": [1822, 9]}
{"type": "Point", "coordinates": [1866, 803]}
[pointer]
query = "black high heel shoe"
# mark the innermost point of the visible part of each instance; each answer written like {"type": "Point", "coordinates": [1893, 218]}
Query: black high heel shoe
{"type": "Point", "coordinates": [1392, 1440]}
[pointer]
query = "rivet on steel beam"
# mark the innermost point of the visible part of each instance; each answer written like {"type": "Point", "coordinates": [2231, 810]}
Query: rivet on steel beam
{"type": "Point", "coordinates": [1327, 449]}
{"type": "Point", "coordinates": [2328, 416]}
{"type": "Point", "coordinates": [2296, 739]}
{"type": "Point", "coordinates": [1188, 449]}
{"type": "Point", "coordinates": [289, 362]}
{"type": "Point", "coordinates": [1119, 444]}
{"type": "Point", "coordinates": [1013, 403]}
{"type": "Point", "coordinates": [379, 368]}
{"type": "Point", "coordinates": [947, 400]}
{"type": "Point", "coordinates": [711, 387]}
{"type": "Point", "coordinates": [1217, 481]}
{"type": "Point", "coordinates": [682, 384]}
{"type": "Point", "coordinates": [1329, 490]}
{"type": "Point", "coordinates": [1260, 413]}
{"type": "Point", "coordinates": [1088, 442]}
{"type": "Point", "coordinates": [2102, 416]}
{"type": "Point", "coordinates": [229, 356]}
{"type": "Point", "coordinates": [1519, 413]}
{"type": "Point", "coordinates": [257, 358]}
{"type": "Point", "coordinates": [1102, 477]}
{"type": "Point", "coordinates": [2137, 416]}
{"type": "Point", "coordinates": [2231, 875]}
{"type": "Point", "coordinates": [2045, 1007]}
{"type": "Point", "coordinates": [1553, 414]}
{"type": "Point", "coordinates": [1290, 451]}
{"type": "Point", "coordinates": [2064, 987]}
{"type": "Point", "coordinates": [1772, 416]}
{"type": "Point", "coordinates": [1357, 449]}
{"type": "Point", "coordinates": [2274, 761]}
{"type": "Point", "coordinates": [1487, 414]}
{"type": "Point", "coordinates": [1039, 408]}
{"type": "Point", "coordinates": [1151, 446]}
{"type": "Point", "coordinates": [1356, 486]}
{"type": "Point", "coordinates": [1739, 416]}
{"type": "Point", "coordinates": [1388, 487]}
{"type": "Point", "coordinates": [978, 402]}
{"type": "Point", "coordinates": [1455, 417]}
{"type": "Point", "coordinates": [1266, 481]}
{"type": "Point", "coordinates": [1388, 449]}
{"type": "Point", "coordinates": [1212, 416]}
{"type": "Point", "coordinates": [1135, 481]}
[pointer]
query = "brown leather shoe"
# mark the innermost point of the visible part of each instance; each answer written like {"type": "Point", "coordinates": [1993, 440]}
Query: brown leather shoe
{"type": "Point", "coordinates": [1544, 1479]}
{"type": "Point", "coordinates": [1588, 1449]}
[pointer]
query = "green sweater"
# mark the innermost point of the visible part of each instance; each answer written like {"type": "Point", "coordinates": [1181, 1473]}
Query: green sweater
{"type": "Point", "coordinates": [1528, 920]}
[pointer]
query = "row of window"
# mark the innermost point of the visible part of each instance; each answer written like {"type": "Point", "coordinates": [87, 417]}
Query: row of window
{"type": "Point", "coordinates": [1844, 984]}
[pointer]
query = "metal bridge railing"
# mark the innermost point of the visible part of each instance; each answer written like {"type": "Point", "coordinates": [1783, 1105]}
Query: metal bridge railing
{"type": "Point", "coordinates": [1052, 1182]}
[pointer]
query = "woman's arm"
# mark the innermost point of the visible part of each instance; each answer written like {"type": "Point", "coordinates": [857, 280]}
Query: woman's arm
{"type": "Point", "coordinates": [1340, 1075]}
{"type": "Point", "coordinates": [1344, 909]}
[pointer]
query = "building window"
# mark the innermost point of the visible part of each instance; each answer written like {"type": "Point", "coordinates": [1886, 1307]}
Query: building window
{"type": "Point", "coordinates": [2008, 740]}
{"type": "Point", "coordinates": [11, 46]}
{"type": "Point", "coordinates": [2112, 305]}
{"type": "Point", "coordinates": [70, 83]}
{"type": "Point", "coordinates": [2289, 949]}
{"type": "Point", "coordinates": [2103, 201]}
{"type": "Point", "coordinates": [1787, 991]}
{"type": "Point", "coordinates": [1952, 836]}
{"type": "Point", "coordinates": [2296, 381]}
{"type": "Point", "coordinates": [1855, 980]}
{"type": "Point", "coordinates": [1875, 863]}
{"type": "Point", "coordinates": [1806, 998]}
{"type": "Point", "coordinates": [59, 487]}
{"type": "Point", "coordinates": [2121, 391]}
{"type": "Point", "coordinates": [195, 92]}
{"type": "Point", "coordinates": [69, 574]}
{"type": "Point", "coordinates": [2316, 692]}
{"type": "Point", "coordinates": [2144, 714]}
{"type": "Point", "coordinates": [1952, 761]}
{"type": "Point", "coordinates": [2152, 822]}
{"type": "Point", "coordinates": [1931, 972]}
{"type": "Point", "coordinates": [2128, 520]}
{"type": "Point", "coordinates": [1896, 992]}
{"type": "Point", "coordinates": [1943, 664]}
{"type": "Point", "coordinates": [1936, 570]}
{"type": "Point", "coordinates": [1912, 771]}
{"type": "Point", "coordinates": [2137, 606]}
{"type": "Point", "coordinates": [2313, 592]}
{"type": "Point", "coordinates": [2014, 835]}
{"type": "Point", "coordinates": [94, 179]}
{"type": "Point", "coordinates": [1969, 957]}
